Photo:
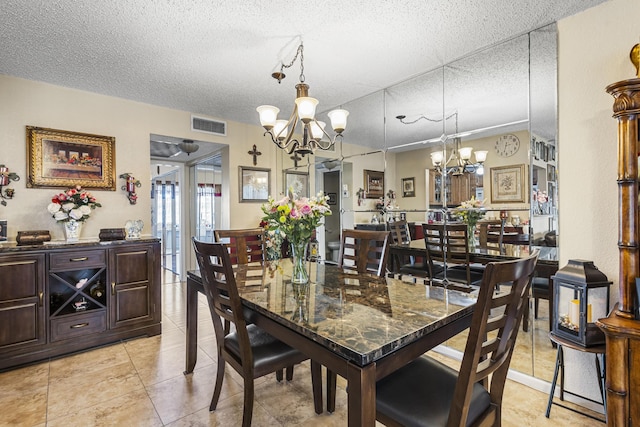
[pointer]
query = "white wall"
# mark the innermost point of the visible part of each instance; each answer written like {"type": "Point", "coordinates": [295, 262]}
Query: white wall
{"type": "Point", "coordinates": [26, 102]}
{"type": "Point", "coordinates": [593, 52]}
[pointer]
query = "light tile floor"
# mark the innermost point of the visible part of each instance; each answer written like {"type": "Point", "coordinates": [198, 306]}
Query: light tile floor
{"type": "Point", "coordinates": [141, 383]}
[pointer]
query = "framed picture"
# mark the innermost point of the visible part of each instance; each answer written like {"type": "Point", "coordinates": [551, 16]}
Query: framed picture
{"type": "Point", "coordinates": [507, 184]}
{"type": "Point", "coordinates": [333, 199]}
{"type": "Point", "coordinates": [373, 184]}
{"type": "Point", "coordinates": [297, 181]}
{"type": "Point", "coordinates": [408, 187]}
{"type": "Point", "coordinates": [254, 184]}
{"type": "Point", "coordinates": [59, 158]}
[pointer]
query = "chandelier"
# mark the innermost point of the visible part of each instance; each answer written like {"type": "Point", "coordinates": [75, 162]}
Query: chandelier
{"type": "Point", "coordinates": [459, 162]}
{"type": "Point", "coordinates": [282, 131]}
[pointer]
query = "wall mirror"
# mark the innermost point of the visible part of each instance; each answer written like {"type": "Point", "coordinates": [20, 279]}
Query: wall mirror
{"type": "Point", "coordinates": [488, 100]}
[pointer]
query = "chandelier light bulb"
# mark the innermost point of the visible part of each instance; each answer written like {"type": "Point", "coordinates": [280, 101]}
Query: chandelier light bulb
{"type": "Point", "coordinates": [481, 156]}
{"type": "Point", "coordinates": [280, 130]}
{"type": "Point", "coordinates": [316, 129]}
{"type": "Point", "coordinates": [465, 153]}
{"type": "Point", "coordinates": [268, 115]}
{"type": "Point", "coordinates": [306, 108]}
{"type": "Point", "coordinates": [436, 158]}
{"type": "Point", "coordinates": [338, 120]}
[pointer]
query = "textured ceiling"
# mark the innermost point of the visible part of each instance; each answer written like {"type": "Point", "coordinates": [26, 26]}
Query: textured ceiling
{"type": "Point", "coordinates": [215, 58]}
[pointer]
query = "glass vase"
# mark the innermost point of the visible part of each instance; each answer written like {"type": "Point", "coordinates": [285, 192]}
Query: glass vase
{"type": "Point", "coordinates": [299, 273]}
{"type": "Point", "coordinates": [72, 229]}
{"type": "Point", "coordinates": [471, 236]}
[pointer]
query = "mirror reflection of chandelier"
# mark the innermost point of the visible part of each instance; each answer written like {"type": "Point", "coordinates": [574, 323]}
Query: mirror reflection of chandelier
{"type": "Point", "coordinates": [459, 161]}
{"type": "Point", "coordinates": [282, 131]}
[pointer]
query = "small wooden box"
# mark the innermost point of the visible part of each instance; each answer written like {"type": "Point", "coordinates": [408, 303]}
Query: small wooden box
{"type": "Point", "coordinates": [33, 237]}
{"type": "Point", "coordinates": [108, 234]}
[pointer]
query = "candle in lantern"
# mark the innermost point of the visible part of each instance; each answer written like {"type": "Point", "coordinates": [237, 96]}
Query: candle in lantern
{"type": "Point", "coordinates": [574, 312]}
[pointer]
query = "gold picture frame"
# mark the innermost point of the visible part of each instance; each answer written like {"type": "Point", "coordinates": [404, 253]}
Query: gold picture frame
{"type": "Point", "coordinates": [507, 184]}
{"type": "Point", "coordinates": [60, 158]}
{"type": "Point", "coordinates": [373, 184]}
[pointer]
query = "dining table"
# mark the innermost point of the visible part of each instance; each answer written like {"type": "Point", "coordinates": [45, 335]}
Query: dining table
{"type": "Point", "coordinates": [547, 255]}
{"type": "Point", "coordinates": [358, 325]}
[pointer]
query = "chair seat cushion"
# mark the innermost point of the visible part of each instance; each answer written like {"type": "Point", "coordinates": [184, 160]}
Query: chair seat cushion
{"type": "Point", "coordinates": [269, 353]}
{"type": "Point", "coordinates": [420, 394]}
{"type": "Point", "coordinates": [416, 269]}
{"type": "Point", "coordinates": [459, 274]}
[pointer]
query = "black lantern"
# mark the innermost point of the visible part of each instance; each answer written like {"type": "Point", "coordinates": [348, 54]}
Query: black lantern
{"type": "Point", "coordinates": [581, 296]}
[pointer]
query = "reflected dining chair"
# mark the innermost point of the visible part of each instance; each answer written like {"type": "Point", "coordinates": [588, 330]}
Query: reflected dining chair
{"type": "Point", "coordinates": [244, 245]}
{"type": "Point", "coordinates": [492, 234]}
{"type": "Point", "coordinates": [249, 350]}
{"type": "Point", "coordinates": [364, 251]}
{"type": "Point", "coordinates": [448, 257]}
{"type": "Point", "coordinates": [400, 235]}
{"type": "Point", "coordinates": [426, 392]}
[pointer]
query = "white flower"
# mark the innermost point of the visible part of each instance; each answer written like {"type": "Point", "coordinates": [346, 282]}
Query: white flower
{"type": "Point", "coordinates": [53, 207]}
{"type": "Point", "coordinates": [60, 215]}
{"type": "Point", "coordinates": [86, 210]}
{"type": "Point", "coordinates": [76, 214]}
{"type": "Point", "coordinates": [68, 206]}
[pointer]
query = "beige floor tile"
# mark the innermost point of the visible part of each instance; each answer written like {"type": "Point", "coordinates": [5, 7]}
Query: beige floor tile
{"type": "Point", "coordinates": [186, 394]}
{"type": "Point", "coordinates": [23, 395]}
{"type": "Point", "coordinates": [155, 367]}
{"type": "Point", "coordinates": [84, 364]}
{"type": "Point", "coordinates": [227, 413]}
{"type": "Point", "coordinates": [83, 390]}
{"type": "Point", "coordinates": [167, 340]}
{"type": "Point", "coordinates": [133, 409]}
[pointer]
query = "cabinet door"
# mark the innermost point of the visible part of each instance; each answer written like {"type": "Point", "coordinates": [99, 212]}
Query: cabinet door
{"type": "Point", "coordinates": [134, 285]}
{"type": "Point", "coordinates": [22, 309]}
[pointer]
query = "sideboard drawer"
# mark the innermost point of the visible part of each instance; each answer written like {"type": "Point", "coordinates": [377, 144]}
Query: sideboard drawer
{"type": "Point", "coordinates": [76, 260]}
{"type": "Point", "coordinates": [78, 324]}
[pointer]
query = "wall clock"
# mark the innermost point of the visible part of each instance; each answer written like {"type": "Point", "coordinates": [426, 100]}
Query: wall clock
{"type": "Point", "coordinates": [507, 145]}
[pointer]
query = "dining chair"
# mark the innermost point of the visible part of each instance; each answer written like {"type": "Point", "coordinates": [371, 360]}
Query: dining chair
{"type": "Point", "coordinates": [491, 234]}
{"type": "Point", "coordinates": [244, 245]}
{"type": "Point", "coordinates": [448, 257]}
{"type": "Point", "coordinates": [249, 350]}
{"type": "Point", "coordinates": [426, 392]}
{"type": "Point", "coordinates": [400, 235]}
{"type": "Point", "coordinates": [364, 251]}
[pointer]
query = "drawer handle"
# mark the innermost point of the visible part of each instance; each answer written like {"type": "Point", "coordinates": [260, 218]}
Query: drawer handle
{"type": "Point", "coordinates": [41, 298]}
{"type": "Point", "coordinates": [79, 325]}
{"type": "Point", "coordinates": [113, 288]}
{"type": "Point", "coordinates": [84, 258]}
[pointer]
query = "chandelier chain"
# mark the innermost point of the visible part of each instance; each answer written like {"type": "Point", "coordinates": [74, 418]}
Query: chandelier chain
{"type": "Point", "coordinates": [299, 52]}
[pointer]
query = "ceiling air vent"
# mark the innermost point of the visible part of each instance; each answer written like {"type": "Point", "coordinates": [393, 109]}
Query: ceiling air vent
{"type": "Point", "coordinates": [214, 127]}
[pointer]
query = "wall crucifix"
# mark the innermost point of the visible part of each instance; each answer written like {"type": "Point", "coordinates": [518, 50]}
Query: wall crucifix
{"type": "Point", "coordinates": [255, 153]}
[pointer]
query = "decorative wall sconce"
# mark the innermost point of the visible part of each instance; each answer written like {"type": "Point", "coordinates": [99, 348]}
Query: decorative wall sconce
{"type": "Point", "coordinates": [5, 178]}
{"type": "Point", "coordinates": [130, 187]}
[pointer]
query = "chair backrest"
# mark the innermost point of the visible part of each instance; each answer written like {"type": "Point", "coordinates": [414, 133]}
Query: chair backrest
{"type": "Point", "coordinates": [492, 233]}
{"type": "Point", "coordinates": [448, 244]}
{"type": "Point", "coordinates": [220, 288]}
{"type": "Point", "coordinates": [399, 231]}
{"type": "Point", "coordinates": [244, 246]}
{"type": "Point", "coordinates": [492, 335]}
{"type": "Point", "coordinates": [364, 251]}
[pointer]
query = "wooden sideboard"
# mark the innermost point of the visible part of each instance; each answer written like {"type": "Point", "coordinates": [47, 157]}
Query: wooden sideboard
{"type": "Point", "coordinates": [621, 328]}
{"type": "Point", "coordinates": [62, 298]}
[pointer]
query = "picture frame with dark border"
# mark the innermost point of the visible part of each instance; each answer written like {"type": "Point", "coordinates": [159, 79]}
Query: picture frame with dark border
{"type": "Point", "coordinates": [507, 184]}
{"type": "Point", "coordinates": [409, 187]}
{"type": "Point", "coordinates": [373, 184]}
{"type": "Point", "coordinates": [298, 180]}
{"type": "Point", "coordinates": [332, 199]}
{"type": "Point", "coordinates": [60, 158]}
{"type": "Point", "coordinates": [254, 184]}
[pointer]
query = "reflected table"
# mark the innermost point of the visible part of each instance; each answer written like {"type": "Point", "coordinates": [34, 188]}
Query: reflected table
{"type": "Point", "coordinates": [359, 326]}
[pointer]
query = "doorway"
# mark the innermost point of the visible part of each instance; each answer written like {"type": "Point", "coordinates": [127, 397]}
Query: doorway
{"type": "Point", "coordinates": [165, 215]}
